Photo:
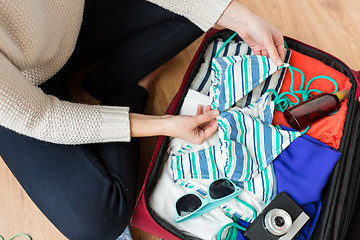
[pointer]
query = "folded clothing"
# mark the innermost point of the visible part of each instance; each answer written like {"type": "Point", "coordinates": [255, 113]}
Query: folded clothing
{"type": "Point", "coordinates": [303, 169]}
{"type": "Point", "coordinates": [328, 130]}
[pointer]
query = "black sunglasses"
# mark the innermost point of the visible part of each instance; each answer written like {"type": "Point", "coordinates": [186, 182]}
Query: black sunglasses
{"type": "Point", "coordinates": [192, 205]}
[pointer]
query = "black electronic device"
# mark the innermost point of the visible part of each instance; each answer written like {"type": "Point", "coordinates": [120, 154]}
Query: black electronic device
{"type": "Point", "coordinates": [281, 219]}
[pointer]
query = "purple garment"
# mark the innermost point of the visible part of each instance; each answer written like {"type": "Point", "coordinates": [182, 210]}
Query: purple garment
{"type": "Point", "coordinates": [302, 171]}
{"type": "Point", "coordinates": [303, 168]}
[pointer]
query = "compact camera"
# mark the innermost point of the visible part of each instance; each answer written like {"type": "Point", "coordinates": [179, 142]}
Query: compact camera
{"type": "Point", "coordinates": [281, 219]}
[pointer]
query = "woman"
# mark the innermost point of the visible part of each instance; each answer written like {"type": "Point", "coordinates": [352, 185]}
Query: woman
{"type": "Point", "coordinates": [78, 162]}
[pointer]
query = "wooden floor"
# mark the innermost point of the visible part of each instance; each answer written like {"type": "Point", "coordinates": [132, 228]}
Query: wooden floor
{"type": "Point", "coordinates": [331, 25]}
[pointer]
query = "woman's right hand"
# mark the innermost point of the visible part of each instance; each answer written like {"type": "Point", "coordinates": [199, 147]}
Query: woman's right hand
{"type": "Point", "coordinates": [194, 129]}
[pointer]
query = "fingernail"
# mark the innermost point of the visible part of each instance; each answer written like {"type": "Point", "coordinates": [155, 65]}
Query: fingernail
{"type": "Point", "coordinates": [279, 62]}
{"type": "Point", "coordinates": [216, 112]}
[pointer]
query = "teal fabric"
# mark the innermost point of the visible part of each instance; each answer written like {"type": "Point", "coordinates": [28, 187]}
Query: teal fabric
{"type": "Point", "coordinates": [236, 76]}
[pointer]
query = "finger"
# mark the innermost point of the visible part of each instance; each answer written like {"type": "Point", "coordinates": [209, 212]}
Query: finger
{"type": "Point", "coordinates": [273, 52]}
{"type": "Point", "coordinates": [199, 110]}
{"type": "Point", "coordinates": [206, 117]}
{"type": "Point", "coordinates": [279, 43]}
{"type": "Point", "coordinates": [264, 52]}
{"type": "Point", "coordinates": [256, 51]}
{"type": "Point", "coordinates": [281, 50]}
{"type": "Point", "coordinates": [255, 46]}
{"type": "Point", "coordinates": [210, 129]}
{"type": "Point", "coordinates": [207, 108]}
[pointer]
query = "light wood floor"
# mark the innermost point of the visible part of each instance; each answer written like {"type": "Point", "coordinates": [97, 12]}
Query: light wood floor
{"type": "Point", "coordinates": [331, 25]}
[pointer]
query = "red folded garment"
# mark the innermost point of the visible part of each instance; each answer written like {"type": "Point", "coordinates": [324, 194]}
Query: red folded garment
{"type": "Point", "coordinates": [328, 130]}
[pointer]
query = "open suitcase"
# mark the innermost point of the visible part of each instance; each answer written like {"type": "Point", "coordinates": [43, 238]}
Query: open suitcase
{"type": "Point", "coordinates": [341, 191]}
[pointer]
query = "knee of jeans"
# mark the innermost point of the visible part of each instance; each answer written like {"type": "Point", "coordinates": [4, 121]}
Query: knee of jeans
{"type": "Point", "coordinates": [107, 221]}
{"type": "Point", "coordinates": [106, 227]}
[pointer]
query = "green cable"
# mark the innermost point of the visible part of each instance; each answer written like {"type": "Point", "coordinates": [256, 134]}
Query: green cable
{"type": "Point", "coordinates": [231, 232]}
{"type": "Point", "coordinates": [224, 44]}
{"type": "Point", "coordinates": [20, 234]}
{"type": "Point", "coordinates": [282, 101]}
{"type": "Point", "coordinates": [17, 235]}
{"type": "Point", "coordinates": [249, 206]}
{"type": "Point", "coordinates": [234, 226]}
{"type": "Point", "coordinates": [285, 44]}
{"type": "Point", "coordinates": [305, 130]}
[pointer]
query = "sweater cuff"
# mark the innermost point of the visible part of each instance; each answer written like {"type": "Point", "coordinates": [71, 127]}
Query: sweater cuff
{"type": "Point", "coordinates": [115, 124]}
{"type": "Point", "coordinates": [206, 13]}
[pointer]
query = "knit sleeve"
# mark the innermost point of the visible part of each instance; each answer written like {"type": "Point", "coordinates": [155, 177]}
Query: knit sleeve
{"type": "Point", "coordinates": [24, 108]}
{"type": "Point", "coordinates": [204, 13]}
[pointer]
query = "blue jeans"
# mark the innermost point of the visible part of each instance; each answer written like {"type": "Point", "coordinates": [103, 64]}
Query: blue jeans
{"type": "Point", "coordinates": [89, 191]}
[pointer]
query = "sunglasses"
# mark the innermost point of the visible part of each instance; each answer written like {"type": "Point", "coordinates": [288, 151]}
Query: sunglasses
{"type": "Point", "coordinates": [191, 204]}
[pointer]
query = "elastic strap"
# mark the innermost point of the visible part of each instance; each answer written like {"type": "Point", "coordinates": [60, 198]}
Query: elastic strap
{"type": "Point", "coordinates": [224, 44]}
{"type": "Point", "coordinates": [17, 235]}
{"type": "Point", "coordinates": [247, 205]}
{"type": "Point", "coordinates": [232, 231]}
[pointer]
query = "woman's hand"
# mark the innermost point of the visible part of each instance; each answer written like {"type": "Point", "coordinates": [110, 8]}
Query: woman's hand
{"type": "Point", "coordinates": [194, 129]}
{"type": "Point", "coordinates": [262, 38]}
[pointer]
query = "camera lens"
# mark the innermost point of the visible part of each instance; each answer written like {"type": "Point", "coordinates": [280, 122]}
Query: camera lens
{"type": "Point", "coordinates": [277, 221]}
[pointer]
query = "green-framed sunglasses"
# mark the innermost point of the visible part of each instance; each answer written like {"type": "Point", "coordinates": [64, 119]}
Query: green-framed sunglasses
{"type": "Point", "coordinates": [192, 204]}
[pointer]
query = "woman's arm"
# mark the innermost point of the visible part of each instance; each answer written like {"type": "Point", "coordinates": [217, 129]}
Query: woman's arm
{"type": "Point", "coordinates": [195, 129]}
{"type": "Point", "coordinates": [204, 13]}
{"type": "Point", "coordinates": [24, 108]}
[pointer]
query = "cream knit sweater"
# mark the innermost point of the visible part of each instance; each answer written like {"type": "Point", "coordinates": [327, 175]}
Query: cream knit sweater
{"type": "Point", "coordinates": [37, 37]}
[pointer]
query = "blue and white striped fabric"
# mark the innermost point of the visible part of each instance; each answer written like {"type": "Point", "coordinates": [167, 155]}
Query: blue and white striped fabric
{"type": "Point", "coordinates": [238, 156]}
{"type": "Point", "coordinates": [202, 81]}
{"type": "Point", "coordinates": [263, 185]}
{"type": "Point", "coordinates": [234, 77]}
{"type": "Point", "coordinates": [248, 142]}
{"type": "Point", "coordinates": [202, 164]}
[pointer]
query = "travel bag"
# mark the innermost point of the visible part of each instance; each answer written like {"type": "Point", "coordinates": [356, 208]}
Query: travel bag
{"type": "Point", "coordinates": [338, 197]}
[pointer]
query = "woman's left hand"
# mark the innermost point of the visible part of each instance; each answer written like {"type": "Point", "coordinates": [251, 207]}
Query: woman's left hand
{"type": "Point", "coordinates": [194, 129]}
{"type": "Point", "coordinates": [262, 38]}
